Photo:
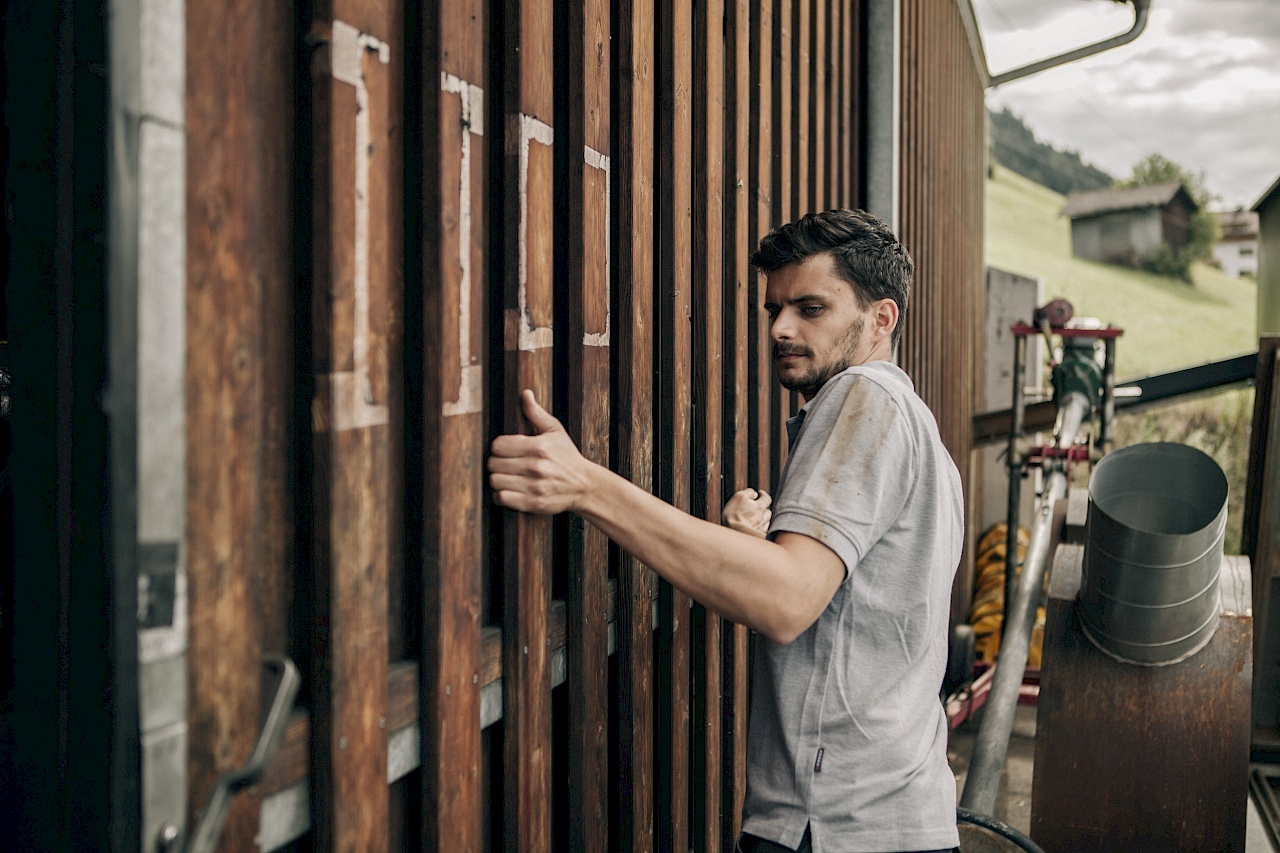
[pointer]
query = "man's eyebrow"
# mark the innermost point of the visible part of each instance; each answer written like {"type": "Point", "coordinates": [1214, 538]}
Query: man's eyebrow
{"type": "Point", "coordinates": [795, 300]}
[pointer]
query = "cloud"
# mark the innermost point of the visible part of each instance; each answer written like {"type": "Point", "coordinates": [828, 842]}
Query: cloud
{"type": "Point", "coordinates": [1201, 86]}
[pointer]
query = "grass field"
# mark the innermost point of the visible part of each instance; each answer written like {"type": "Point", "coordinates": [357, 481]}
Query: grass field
{"type": "Point", "coordinates": [1168, 324]}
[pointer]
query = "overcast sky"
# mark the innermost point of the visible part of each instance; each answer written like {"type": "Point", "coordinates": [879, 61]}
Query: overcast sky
{"type": "Point", "coordinates": [1201, 85]}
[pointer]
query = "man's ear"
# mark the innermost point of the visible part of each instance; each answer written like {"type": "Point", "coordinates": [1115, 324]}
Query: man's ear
{"type": "Point", "coordinates": [886, 318]}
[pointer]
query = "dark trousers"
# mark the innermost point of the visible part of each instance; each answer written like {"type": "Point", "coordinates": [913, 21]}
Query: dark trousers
{"type": "Point", "coordinates": [749, 843]}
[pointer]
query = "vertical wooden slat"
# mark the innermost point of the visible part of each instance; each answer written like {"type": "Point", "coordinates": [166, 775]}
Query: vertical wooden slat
{"type": "Point", "coordinates": [233, 179]}
{"type": "Point", "coordinates": [587, 253]}
{"type": "Point", "coordinates": [738, 180]}
{"type": "Point", "coordinates": [454, 84]}
{"type": "Point", "coordinates": [763, 147]}
{"type": "Point", "coordinates": [850, 103]}
{"type": "Point", "coordinates": [631, 440]}
{"type": "Point", "coordinates": [356, 125]}
{"type": "Point", "coordinates": [708, 375]}
{"type": "Point", "coordinates": [274, 94]}
{"type": "Point", "coordinates": [801, 109]}
{"type": "Point", "coordinates": [837, 85]}
{"type": "Point", "coordinates": [528, 54]}
{"type": "Point", "coordinates": [819, 61]}
{"type": "Point", "coordinates": [673, 415]}
{"type": "Point", "coordinates": [942, 183]}
{"type": "Point", "coordinates": [785, 195]}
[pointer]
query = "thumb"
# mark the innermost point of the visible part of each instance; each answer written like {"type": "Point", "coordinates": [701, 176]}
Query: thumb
{"type": "Point", "coordinates": [539, 418]}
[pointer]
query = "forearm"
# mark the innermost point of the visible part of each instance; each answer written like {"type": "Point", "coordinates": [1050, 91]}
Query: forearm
{"type": "Point", "coordinates": [744, 578]}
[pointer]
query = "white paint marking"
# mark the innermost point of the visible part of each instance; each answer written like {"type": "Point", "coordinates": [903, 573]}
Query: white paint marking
{"type": "Point", "coordinates": [596, 160]}
{"type": "Point", "coordinates": [531, 338]}
{"type": "Point", "coordinates": [470, 390]}
{"type": "Point", "coordinates": [350, 393]}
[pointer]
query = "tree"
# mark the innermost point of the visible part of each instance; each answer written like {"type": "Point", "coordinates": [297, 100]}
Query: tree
{"type": "Point", "coordinates": [1203, 230]}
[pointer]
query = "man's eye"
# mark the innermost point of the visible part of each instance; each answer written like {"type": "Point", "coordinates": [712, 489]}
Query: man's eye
{"type": "Point", "coordinates": [812, 310]}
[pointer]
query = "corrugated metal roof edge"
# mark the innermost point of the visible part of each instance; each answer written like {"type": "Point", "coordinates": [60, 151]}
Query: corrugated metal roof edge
{"type": "Point", "coordinates": [1096, 202]}
{"type": "Point", "coordinates": [1266, 196]}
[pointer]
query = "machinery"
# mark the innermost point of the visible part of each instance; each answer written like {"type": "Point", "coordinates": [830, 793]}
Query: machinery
{"type": "Point", "coordinates": [1142, 728]}
{"type": "Point", "coordinates": [1083, 381]}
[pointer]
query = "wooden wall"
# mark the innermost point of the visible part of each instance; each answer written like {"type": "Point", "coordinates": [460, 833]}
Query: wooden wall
{"type": "Point", "coordinates": [943, 181]}
{"type": "Point", "coordinates": [399, 215]}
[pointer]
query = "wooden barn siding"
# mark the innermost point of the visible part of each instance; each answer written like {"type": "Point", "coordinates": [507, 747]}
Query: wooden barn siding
{"type": "Point", "coordinates": [560, 197]}
{"type": "Point", "coordinates": [943, 173]}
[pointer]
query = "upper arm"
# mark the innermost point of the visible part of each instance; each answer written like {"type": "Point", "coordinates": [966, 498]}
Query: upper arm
{"type": "Point", "coordinates": [819, 571]}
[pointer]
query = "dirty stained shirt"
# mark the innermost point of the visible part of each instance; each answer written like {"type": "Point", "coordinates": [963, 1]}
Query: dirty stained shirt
{"type": "Point", "coordinates": [847, 734]}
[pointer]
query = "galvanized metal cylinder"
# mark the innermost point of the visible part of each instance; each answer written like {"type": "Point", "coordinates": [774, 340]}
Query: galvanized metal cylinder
{"type": "Point", "coordinates": [1153, 549]}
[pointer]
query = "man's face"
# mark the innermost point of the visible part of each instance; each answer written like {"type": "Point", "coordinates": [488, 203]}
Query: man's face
{"type": "Point", "coordinates": [816, 324]}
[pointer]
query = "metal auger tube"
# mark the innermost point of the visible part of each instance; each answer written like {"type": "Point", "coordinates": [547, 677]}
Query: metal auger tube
{"type": "Point", "coordinates": [992, 745]}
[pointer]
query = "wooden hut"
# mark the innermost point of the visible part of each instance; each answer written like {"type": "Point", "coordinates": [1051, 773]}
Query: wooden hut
{"type": "Point", "coordinates": [1127, 226]}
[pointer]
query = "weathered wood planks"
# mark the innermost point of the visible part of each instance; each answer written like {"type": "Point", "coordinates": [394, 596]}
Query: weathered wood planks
{"type": "Point", "coordinates": [632, 429]}
{"type": "Point", "coordinates": [456, 176]}
{"type": "Point", "coordinates": [738, 180]}
{"type": "Point", "coordinates": [528, 249]}
{"type": "Point", "coordinates": [584, 114]}
{"type": "Point", "coordinates": [354, 301]}
{"type": "Point", "coordinates": [708, 342]}
{"type": "Point", "coordinates": [673, 302]}
{"type": "Point", "coordinates": [588, 180]}
{"type": "Point", "coordinates": [238, 378]}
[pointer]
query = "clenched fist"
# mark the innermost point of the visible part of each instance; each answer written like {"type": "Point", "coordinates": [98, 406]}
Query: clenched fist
{"type": "Point", "coordinates": [748, 511]}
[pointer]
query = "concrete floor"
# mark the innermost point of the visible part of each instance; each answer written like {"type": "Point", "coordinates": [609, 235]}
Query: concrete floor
{"type": "Point", "coordinates": [1013, 803]}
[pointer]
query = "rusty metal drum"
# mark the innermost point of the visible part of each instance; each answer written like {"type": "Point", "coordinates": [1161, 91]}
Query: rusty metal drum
{"type": "Point", "coordinates": [1153, 550]}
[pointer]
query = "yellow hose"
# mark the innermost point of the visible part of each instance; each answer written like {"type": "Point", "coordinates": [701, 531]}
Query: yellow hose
{"type": "Point", "coordinates": [987, 612]}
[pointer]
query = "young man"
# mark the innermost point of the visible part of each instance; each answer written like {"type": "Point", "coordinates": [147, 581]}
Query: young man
{"type": "Point", "coordinates": [850, 590]}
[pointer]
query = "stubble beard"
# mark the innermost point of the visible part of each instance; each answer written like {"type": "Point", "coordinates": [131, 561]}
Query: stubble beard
{"type": "Point", "coordinates": [845, 352]}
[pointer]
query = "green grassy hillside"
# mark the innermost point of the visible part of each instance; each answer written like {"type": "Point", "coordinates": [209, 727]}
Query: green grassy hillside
{"type": "Point", "coordinates": [1168, 324]}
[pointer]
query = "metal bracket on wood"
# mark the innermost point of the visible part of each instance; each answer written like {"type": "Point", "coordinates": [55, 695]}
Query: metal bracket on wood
{"type": "Point", "coordinates": [205, 838]}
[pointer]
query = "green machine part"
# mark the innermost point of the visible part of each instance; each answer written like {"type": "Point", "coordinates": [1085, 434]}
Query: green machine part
{"type": "Point", "coordinates": [1079, 372]}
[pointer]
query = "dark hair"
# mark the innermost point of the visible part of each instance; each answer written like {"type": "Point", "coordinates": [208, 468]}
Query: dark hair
{"type": "Point", "coordinates": [866, 255]}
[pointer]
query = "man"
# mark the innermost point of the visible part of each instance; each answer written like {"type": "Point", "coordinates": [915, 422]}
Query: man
{"type": "Point", "coordinates": [850, 590]}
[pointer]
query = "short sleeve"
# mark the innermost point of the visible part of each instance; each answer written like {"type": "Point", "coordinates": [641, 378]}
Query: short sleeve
{"type": "Point", "coordinates": [851, 471]}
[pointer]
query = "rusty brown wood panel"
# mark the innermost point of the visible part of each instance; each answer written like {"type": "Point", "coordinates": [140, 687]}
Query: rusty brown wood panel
{"type": "Point", "coordinates": [942, 128]}
{"type": "Point", "coordinates": [802, 108]}
{"type": "Point", "coordinates": [274, 95]}
{"type": "Point", "coordinates": [738, 277]}
{"type": "Point", "coordinates": [237, 376]}
{"type": "Point", "coordinates": [784, 197]}
{"type": "Point", "coordinates": [631, 439]}
{"type": "Point", "coordinates": [1114, 740]}
{"type": "Point", "coordinates": [356, 121]}
{"type": "Point", "coordinates": [818, 105]}
{"type": "Point", "coordinates": [831, 137]}
{"type": "Point", "coordinates": [1265, 559]}
{"type": "Point", "coordinates": [527, 59]}
{"type": "Point", "coordinates": [846, 136]}
{"type": "Point", "coordinates": [672, 462]}
{"type": "Point", "coordinates": [454, 85]}
{"type": "Point", "coordinates": [709, 359]}
{"type": "Point", "coordinates": [585, 121]}
{"type": "Point", "coordinates": [850, 183]}
{"type": "Point", "coordinates": [289, 764]}
{"type": "Point", "coordinates": [1264, 388]}
{"type": "Point", "coordinates": [761, 212]}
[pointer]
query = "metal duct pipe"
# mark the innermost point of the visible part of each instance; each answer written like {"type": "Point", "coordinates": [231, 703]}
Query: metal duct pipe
{"type": "Point", "coordinates": [1141, 9]}
{"type": "Point", "coordinates": [989, 751]}
{"type": "Point", "coordinates": [1153, 553]}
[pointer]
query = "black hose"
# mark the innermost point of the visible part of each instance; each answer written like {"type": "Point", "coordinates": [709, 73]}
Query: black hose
{"type": "Point", "coordinates": [999, 827]}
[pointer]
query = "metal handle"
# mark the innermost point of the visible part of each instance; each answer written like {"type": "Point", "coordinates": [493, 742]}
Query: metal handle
{"type": "Point", "coordinates": [209, 829]}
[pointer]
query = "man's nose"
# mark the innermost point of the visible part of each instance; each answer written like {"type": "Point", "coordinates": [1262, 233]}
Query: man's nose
{"type": "Point", "coordinates": [782, 327]}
